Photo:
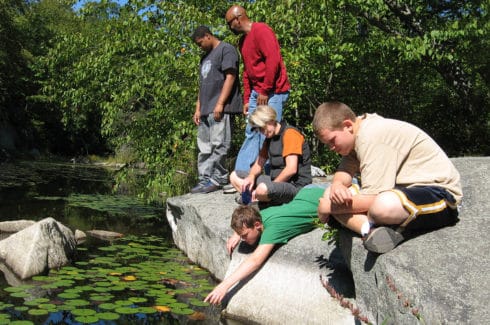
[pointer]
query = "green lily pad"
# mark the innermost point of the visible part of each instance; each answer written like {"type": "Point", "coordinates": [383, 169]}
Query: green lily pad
{"type": "Point", "coordinates": [68, 295]}
{"type": "Point", "coordinates": [77, 302]}
{"type": "Point", "coordinates": [146, 310]}
{"type": "Point", "coordinates": [108, 316]}
{"type": "Point", "coordinates": [20, 294]}
{"type": "Point", "coordinates": [37, 312]}
{"type": "Point", "coordinates": [47, 306]}
{"type": "Point", "coordinates": [198, 303]}
{"type": "Point", "coordinates": [13, 289]}
{"type": "Point", "coordinates": [83, 312]}
{"type": "Point", "coordinates": [126, 310]}
{"type": "Point", "coordinates": [138, 299]}
{"type": "Point", "coordinates": [183, 311]}
{"type": "Point", "coordinates": [87, 319]}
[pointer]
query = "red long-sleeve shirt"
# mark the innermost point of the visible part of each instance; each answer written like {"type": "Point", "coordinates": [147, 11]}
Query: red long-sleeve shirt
{"type": "Point", "coordinates": [264, 71]}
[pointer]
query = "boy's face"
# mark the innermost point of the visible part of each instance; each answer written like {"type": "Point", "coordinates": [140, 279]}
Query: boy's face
{"type": "Point", "coordinates": [341, 141]}
{"type": "Point", "coordinates": [251, 235]}
{"type": "Point", "coordinates": [204, 43]}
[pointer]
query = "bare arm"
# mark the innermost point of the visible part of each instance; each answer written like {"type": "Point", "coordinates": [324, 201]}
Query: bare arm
{"type": "Point", "coordinates": [256, 170]}
{"type": "Point", "coordinates": [250, 265]}
{"type": "Point", "coordinates": [197, 113]}
{"type": "Point", "coordinates": [339, 192]}
{"type": "Point", "coordinates": [225, 93]}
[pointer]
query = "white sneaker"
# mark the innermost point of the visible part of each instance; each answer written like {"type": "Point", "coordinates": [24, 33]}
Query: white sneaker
{"type": "Point", "coordinates": [229, 189]}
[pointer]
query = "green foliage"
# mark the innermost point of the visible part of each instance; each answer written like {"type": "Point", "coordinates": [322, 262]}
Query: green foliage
{"type": "Point", "coordinates": [124, 78]}
{"type": "Point", "coordinates": [331, 235]}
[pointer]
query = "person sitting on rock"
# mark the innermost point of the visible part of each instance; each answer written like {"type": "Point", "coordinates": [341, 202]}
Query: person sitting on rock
{"type": "Point", "coordinates": [272, 226]}
{"type": "Point", "coordinates": [290, 162]}
{"type": "Point", "coordinates": [407, 182]}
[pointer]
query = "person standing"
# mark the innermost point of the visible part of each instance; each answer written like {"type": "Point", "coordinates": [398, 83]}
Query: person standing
{"type": "Point", "coordinates": [219, 96]}
{"type": "Point", "coordinates": [265, 80]}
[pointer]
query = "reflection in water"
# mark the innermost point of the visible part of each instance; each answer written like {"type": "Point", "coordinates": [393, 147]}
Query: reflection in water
{"type": "Point", "coordinates": [81, 197]}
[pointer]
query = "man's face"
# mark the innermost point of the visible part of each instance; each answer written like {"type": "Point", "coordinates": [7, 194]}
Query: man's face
{"type": "Point", "coordinates": [204, 43]}
{"type": "Point", "coordinates": [340, 141]}
{"type": "Point", "coordinates": [233, 22]}
{"type": "Point", "coordinates": [251, 235]}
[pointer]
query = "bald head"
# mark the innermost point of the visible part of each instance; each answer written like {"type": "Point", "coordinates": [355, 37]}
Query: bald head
{"type": "Point", "coordinates": [235, 11]}
{"type": "Point", "coordinates": [237, 19]}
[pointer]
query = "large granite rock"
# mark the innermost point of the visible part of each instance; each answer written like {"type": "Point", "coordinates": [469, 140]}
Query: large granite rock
{"type": "Point", "coordinates": [41, 246]}
{"type": "Point", "coordinates": [439, 277]}
{"type": "Point", "coordinates": [286, 290]}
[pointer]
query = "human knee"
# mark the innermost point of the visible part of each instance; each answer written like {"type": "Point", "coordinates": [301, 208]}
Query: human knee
{"type": "Point", "coordinates": [387, 209]}
{"type": "Point", "coordinates": [261, 190]}
{"type": "Point", "coordinates": [235, 180]}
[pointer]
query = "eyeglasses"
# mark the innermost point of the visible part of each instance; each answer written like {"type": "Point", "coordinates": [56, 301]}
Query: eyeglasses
{"type": "Point", "coordinates": [229, 22]}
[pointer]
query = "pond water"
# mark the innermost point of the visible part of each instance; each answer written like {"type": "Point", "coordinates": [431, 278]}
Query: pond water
{"type": "Point", "coordinates": [141, 278]}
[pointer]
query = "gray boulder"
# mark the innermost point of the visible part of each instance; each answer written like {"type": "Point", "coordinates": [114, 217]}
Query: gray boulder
{"type": "Point", "coordinates": [44, 245]}
{"type": "Point", "coordinates": [286, 290]}
{"type": "Point", "coordinates": [440, 277]}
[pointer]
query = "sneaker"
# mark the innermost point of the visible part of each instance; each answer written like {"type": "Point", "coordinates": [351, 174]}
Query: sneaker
{"type": "Point", "coordinates": [382, 240]}
{"type": "Point", "coordinates": [209, 187]}
{"type": "Point", "coordinates": [198, 187]}
{"type": "Point", "coordinates": [229, 189]}
{"type": "Point", "coordinates": [238, 199]}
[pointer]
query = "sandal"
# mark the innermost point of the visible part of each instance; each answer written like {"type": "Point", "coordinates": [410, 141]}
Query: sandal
{"type": "Point", "coordinates": [382, 240]}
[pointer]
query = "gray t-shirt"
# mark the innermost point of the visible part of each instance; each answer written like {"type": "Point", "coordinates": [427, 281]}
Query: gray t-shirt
{"type": "Point", "coordinates": [212, 77]}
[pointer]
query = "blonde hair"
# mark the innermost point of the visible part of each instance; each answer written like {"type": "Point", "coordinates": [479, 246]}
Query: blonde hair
{"type": "Point", "coordinates": [262, 115]}
{"type": "Point", "coordinates": [330, 115]}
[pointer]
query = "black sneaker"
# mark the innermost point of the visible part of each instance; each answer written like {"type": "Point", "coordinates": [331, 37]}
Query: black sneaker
{"type": "Point", "coordinates": [198, 188]}
{"type": "Point", "coordinates": [209, 187]}
{"type": "Point", "coordinates": [382, 240]}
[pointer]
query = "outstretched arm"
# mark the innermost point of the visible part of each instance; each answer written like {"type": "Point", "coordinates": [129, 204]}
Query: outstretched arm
{"type": "Point", "coordinates": [250, 265]}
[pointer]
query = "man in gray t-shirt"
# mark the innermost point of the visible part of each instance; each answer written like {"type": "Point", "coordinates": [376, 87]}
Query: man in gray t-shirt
{"type": "Point", "coordinates": [219, 96]}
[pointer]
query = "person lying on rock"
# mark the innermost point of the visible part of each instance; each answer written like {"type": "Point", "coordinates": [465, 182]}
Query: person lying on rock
{"type": "Point", "coordinates": [407, 182]}
{"type": "Point", "coordinates": [290, 161]}
{"type": "Point", "coordinates": [272, 226]}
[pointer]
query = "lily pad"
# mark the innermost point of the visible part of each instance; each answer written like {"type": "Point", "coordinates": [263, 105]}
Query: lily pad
{"type": "Point", "coordinates": [126, 310]}
{"type": "Point", "coordinates": [87, 319]}
{"type": "Point", "coordinates": [108, 316]}
{"type": "Point", "coordinates": [38, 312]}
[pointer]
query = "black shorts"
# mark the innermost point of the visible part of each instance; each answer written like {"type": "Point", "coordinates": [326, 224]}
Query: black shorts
{"type": "Point", "coordinates": [429, 207]}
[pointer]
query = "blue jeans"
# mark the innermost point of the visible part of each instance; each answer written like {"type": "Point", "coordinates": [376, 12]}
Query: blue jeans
{"type": "Point", "coordinates": [253, 140]}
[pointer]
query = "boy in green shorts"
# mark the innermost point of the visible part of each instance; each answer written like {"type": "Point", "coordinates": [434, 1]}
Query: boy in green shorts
{"type": "Point", "coordinates": [269, 227]}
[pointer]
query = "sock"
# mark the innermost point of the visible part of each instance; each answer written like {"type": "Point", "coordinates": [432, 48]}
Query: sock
{"type": "Point", "coordinates": [366, 226]}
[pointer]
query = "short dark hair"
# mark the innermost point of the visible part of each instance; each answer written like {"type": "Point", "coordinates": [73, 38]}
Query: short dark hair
{"type": "Point", "coordinates": [200, 32]}
{"type": "Point", "coordinates": [244, 216]}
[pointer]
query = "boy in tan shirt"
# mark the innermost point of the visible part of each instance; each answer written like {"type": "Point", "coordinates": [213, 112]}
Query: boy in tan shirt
{"type": "Point", "coordinates": [407, 181]}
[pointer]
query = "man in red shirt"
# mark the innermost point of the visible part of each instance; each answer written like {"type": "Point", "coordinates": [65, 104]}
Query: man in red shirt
{"type": "Point", "coordinates": [265, 80]}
